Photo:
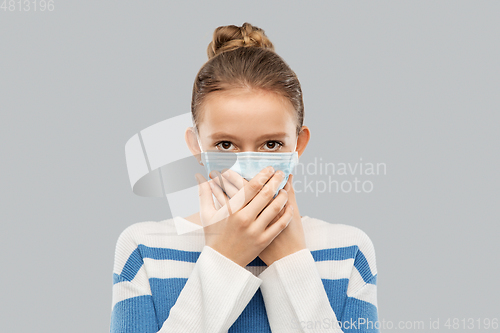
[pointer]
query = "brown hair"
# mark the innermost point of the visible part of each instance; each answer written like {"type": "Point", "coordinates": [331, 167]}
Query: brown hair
{"type": "Point", "coordinates": [243, 57]}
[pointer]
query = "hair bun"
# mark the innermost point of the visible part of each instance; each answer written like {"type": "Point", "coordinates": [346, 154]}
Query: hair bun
{"type": "Point", "coordinates": [230, 37]}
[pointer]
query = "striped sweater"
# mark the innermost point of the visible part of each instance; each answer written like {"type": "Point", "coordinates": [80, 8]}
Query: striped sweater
{"type": "Point", "coordinates": [164, 281]}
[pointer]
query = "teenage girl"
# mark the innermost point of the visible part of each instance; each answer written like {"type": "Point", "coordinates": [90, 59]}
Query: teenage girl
{"type": "Point", "coordinates": [262, 267]}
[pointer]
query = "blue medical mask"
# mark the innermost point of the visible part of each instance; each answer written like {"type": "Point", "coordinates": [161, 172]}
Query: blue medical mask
{"type": "Point", "coordinates": [248, 164]}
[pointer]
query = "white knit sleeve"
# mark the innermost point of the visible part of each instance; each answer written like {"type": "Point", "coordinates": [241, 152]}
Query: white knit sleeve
{"type": "Point", "coordinates": [216, 293]}
{"type": "Point", "coordinates": [295, 297]}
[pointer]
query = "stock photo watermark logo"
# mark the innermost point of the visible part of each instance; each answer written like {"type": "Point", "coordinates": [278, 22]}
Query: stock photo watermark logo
{"type": "Point", "coordinates": [369, 324]}
{"type": "Point", "coordinates": [323, 177]}
{"type": "Point", "coordinates": [27, 5]}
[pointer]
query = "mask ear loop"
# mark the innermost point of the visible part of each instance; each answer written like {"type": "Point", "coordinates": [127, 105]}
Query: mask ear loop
{"type": "Point", "coordinates": [199, 143]}
{"type": "Point", "coordinates": [295, 148]}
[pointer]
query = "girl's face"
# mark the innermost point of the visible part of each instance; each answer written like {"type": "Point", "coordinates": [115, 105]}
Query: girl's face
{"type": "Point", "coordinates": [247, 120]}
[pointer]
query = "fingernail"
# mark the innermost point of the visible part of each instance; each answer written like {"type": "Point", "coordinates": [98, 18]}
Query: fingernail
{"type": "Point", "coordinates": [270, 169]}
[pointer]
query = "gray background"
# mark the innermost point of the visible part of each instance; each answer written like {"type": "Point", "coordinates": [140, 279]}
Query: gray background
{"type": "Point", "coordinates": [412, 84]}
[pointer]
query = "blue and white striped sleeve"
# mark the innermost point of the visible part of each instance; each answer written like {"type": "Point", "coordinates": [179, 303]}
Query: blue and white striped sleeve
{"type": "Point", "coordinates": [297, 299]}
{"type": "Point", "coordinates": [215, 294]}
{"type": "Point", "coordinates": [132, 302]}
{"type": "Point", "coordinates": [360, 313]}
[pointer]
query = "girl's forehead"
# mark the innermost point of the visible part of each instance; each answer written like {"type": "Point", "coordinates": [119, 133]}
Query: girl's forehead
{"type": "Point", "coordinates": [247, 109]}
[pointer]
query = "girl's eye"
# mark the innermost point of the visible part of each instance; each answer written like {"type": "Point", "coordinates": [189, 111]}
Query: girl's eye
{"type": "Point", "coordinates": [273, 145]}
{"type": "Point", "coordinates": [269, 145]}
{"type": "Point", "coordinates": [224, 145]}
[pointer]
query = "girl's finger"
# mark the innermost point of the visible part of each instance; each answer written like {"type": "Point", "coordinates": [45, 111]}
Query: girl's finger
{"type": "Point", "coordinates": [224, 183]}
{"type": "Point", "coordinates": [276, 228]}
{"type": "Point", "coordinates": [282, 211]}
{"type": "Point", "coordinates": [218, 193]}
{"type": "Point", "coordinates": [288, 183]}
{"type": "Point", "coordinates": [248, 192]}
{"type": "Point", "coordinates": [269, 213]}
{"type": "Point", "coordinates": [265, 195]}
{"type": "Point", "coordinates": [235, 178]}
{"type": "Point", "coordinates": [217, 204]}
{"type": "Point", "coordinates": [289, 187]}
{"type": "Point", "coordinates": [205, 194]}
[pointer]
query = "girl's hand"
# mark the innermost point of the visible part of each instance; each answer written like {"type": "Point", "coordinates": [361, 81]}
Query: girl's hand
{"type": "Point", "coordinates": [289, 240]}
{"type": "Point", "coordinates": [240, 229]}
{"type": "Point", "coordinates": [292, 238]}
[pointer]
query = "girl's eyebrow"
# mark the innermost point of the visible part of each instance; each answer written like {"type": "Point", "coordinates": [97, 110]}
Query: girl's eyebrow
{"type": "Point", "coordinates": [222, 135]}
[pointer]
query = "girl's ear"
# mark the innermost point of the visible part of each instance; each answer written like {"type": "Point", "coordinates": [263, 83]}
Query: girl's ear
{"type": "Point", "coordinates": [303, 139]}
{"type": "Point", "coordinates": [192, 142]}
